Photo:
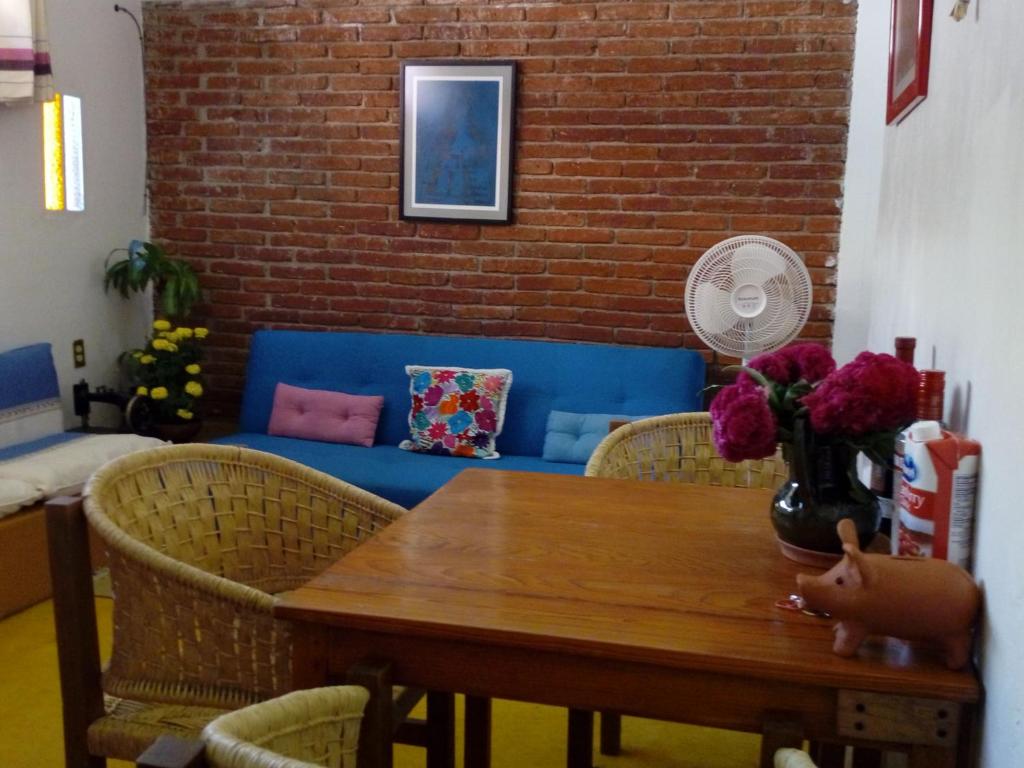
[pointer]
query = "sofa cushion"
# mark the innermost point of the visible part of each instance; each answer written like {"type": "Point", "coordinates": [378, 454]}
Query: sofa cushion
{"type": "Point", "coordinates": [29, 395]}
{"type": "Point", "coordinates": [456, 411]}
{"type": "Point", "coordinates": [572, 437]}
{"type": "Point", "coordinates": [404, 477]}
{"type": "Point", "coordinates": [318, 414]}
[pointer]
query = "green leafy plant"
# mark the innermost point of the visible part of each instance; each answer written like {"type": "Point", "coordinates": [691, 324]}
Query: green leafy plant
{"type": "Point", "coordinates": [173, 280]}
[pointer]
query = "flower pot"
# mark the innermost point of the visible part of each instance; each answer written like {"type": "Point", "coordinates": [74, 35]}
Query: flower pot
{"type": "Point", "coordinates": [177, 432]}
{"type": "Point", "coordinates": [822, 490]}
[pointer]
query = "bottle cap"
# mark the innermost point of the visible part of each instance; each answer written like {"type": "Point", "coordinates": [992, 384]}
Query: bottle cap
{"type": "Point", "coordinates": [924, 431]}
{"type": "Point", "coordinates": [905, 346]}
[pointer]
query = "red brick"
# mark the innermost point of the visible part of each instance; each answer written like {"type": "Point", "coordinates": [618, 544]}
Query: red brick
{"type": "Point", "coordinates": [617, 286]}
{"type": "Point", "coordinates": [513, 266]}
{"type": "Point", "coordinates": [580, 333]}
{"type": "Point", "coordinates": [551, 218]}
{"type": "Point", "coordinates": [648, 338]}
{"type": "Point", "coordinates": [477, 280]}
{"type": "Point", "coordinates": [495, 48]}
{"type": "Point", "coordinates": [547, 283]}
{"type": "Point", "coordinates": [632, 10]}
{"type": "Point", "coordinates": [640, 237]}
{"type": "Point", "coordinates": [614, 319]}
{"type": "Point", "coordinates": [548, 314]}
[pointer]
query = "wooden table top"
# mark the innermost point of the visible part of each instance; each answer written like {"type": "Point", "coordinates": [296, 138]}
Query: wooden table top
{"type": "Point", "coordinates": [679, 576]}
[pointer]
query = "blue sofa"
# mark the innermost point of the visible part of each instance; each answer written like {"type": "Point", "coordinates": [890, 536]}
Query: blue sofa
{"type": "Point", "coordinates": [563, 376]}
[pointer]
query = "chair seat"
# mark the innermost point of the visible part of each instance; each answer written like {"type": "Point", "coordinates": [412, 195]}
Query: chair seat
{"type": "Point", "coordinates": [131, 726]}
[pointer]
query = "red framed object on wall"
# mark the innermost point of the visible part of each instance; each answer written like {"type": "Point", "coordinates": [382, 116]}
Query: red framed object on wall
{"type": "Point", "coordinates": [910, 43]}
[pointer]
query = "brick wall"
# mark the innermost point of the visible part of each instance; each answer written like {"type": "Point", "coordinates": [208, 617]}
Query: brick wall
{"type": "Point", "coordinates": [646, 132]}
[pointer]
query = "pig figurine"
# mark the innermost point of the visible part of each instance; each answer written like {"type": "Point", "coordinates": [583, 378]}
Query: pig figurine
{"type": "Point", "coordinates": [914, 598]}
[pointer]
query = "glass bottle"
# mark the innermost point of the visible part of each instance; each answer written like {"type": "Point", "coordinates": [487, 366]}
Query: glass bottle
{"type": "Point", "coordinates": [905, 346]}
{"type": "Point", "coordinates": [883, 478]}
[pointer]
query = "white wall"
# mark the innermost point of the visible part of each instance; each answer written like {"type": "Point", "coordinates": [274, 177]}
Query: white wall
{"type": "Point", "coordinates": [51, 264]}
{"type": "Point", "coordinates": [859, 259]}
{"type": "Point", "coordinates": [936, 251]}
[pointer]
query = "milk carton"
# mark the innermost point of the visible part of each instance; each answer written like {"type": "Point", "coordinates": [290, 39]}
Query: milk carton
{"type": "Point", "coordinates": [935, 502]}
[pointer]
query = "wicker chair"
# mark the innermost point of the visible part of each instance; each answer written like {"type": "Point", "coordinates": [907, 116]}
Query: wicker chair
{"type": "Point", "coordinates": [304, 729]}
{"type": "Point", "coordinates": [313, 728]}
{"type": "Point", "coordinates": [793, 758]}
{"type": "Point", "coordinates": [200, 539]}
{"type": "Point", "coordinates": [677, 449]}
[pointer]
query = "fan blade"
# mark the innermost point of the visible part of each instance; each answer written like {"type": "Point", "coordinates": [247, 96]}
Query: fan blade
{"type": "Point", "coordinates": [713, 309]}
{"type": "Point", "coordinates": [784, 326]}
{"type": "Point", "coordinates": [759, 258]}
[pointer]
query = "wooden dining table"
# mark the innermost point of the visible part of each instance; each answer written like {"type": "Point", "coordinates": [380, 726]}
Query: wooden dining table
{"type": "Point", "coordinates": [650, 599]}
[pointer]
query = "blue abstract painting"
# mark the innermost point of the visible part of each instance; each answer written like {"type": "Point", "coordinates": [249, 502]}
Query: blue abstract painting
{"type": "Point", "coordinates": [457, 142]}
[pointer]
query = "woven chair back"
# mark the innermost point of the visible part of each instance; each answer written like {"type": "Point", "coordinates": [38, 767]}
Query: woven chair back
{"type": "Point", "coordinates": [678, 448]}
{"type": "Point", "coordinates": [200, 538]}
{"type": "Point", "coordinates": [316, 727]}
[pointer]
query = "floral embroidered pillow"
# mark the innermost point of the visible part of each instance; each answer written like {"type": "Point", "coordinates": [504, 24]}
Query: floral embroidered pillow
{"type": "Point", "coordinates": [456, 411]}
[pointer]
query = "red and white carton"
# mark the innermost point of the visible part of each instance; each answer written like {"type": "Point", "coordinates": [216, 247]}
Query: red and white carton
{"type": "Point", "coordinates": [935, 504]}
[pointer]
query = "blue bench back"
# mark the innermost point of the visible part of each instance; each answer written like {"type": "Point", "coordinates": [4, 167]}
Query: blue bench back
{"type": "Point", "coordinates": [546, 376]}
{"type": "Point", "coordinates": [29, 395]}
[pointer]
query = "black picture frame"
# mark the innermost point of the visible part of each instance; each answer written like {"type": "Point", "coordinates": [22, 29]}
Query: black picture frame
{"type": "Point", "coordinates": [457, 140]}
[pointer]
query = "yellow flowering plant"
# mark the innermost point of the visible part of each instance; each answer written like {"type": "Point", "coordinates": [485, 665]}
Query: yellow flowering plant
{"type": "Point", "coordinates": [166, 374]}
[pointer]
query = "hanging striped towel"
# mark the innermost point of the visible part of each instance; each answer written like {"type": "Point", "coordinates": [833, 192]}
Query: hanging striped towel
{"type": "Point", "coordinates": [25, 73]}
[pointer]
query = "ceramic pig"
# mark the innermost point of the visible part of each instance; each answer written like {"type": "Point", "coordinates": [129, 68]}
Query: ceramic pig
{"type": "Point", "coordinates": [914, 598]}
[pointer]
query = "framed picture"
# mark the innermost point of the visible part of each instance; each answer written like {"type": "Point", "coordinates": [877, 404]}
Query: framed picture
{"type": "Point", "coordinates": [457, 125]}
{"type": "Point", "coordinates": [910, 42]}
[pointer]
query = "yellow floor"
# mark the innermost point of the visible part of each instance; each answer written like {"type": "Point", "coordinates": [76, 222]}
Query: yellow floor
{"type": "Point", "coordinates": [525, 736]}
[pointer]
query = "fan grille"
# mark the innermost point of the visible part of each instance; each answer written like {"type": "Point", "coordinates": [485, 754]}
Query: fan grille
{"type": "Point", "coordinates": [759, 266]}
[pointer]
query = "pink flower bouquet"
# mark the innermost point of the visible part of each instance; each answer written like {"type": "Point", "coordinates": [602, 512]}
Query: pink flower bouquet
{"type": "Point", "coordinates": [863, 404]}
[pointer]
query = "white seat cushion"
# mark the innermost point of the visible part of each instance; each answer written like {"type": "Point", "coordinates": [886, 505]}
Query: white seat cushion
{"type": "Point", "coordinates": [15, 494]}
{"type": "Point", "coordinates": [64, 468]}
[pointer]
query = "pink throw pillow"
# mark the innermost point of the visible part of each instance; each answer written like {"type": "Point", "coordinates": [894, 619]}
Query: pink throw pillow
{"type": "Point", "coordinates": [317, 414]}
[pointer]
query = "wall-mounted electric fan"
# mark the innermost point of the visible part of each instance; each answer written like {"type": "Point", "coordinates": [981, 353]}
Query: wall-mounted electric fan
{"type": "Point", "coordinates": [747, 295]}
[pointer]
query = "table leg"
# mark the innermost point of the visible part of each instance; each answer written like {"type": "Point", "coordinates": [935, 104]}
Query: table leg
{"type": "Point", "coordinates": [867, 758]}
{"type": "Point", "coordinates": [931, 757]}
{"type": "Point", "coordinates": [580, 752]}
{"type": "Point", "coordinates": [440, 730]}
{"type": "Point", "coordinates": [611, 733]}
{"type": "Point", "coordinates": [829, 755]}
{"type": "Point", "coordinates": [375, 733]}
{"type": "Point", "coordinates": [309, 656]}
{"type": "Point", "coordinates": [777, 731]}
{"type": "Point", "coordinates": [477, 749]}
{"type": "Point", "coordinates": [967, 743]}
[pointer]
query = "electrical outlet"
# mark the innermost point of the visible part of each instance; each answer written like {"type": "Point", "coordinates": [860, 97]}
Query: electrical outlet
{"type": "Point", "coordinates": [78, 351]}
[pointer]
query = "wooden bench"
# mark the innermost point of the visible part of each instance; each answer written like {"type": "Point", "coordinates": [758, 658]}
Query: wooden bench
{"type": "Point", "coordinates": [23, 547]}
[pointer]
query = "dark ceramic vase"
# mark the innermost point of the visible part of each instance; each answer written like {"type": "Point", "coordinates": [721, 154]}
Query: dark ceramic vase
{"type": "Point", "coordinates": [142, 421]}
{"type": "Point", "coordinates": [821, 491]}
{"type": "Point", "coordinates": [178, 432]}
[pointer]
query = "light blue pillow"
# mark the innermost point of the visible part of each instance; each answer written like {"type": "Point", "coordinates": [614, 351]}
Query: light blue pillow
{"type": "Point", "coordinates": [572, 437]}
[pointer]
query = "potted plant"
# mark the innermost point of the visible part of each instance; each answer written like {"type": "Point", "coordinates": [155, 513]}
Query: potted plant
{"type": "Point", "coordinates": [164, 375]}
{"type": "Point", "coordinates": [145, 264]}
{"type": "Point", "coordinates": [168, 382]}
{"type": "Point", "coordinates": [822, 417]}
